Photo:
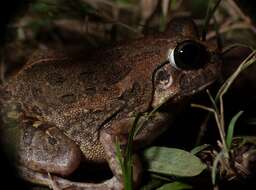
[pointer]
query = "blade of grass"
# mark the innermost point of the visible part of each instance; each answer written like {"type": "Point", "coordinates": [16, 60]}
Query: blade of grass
{"type": "Point", "coordinates": [208, 17]}
{"type": "Point", "coordinates": [224, 88]}
{"type": "Point", "coordinates": [215, 165]}
{"type": "Point", "coordinates": [131, 134]}
{"type": "Point", "coordinates": [119, 156]}
{"type": "Point", "coordinates": [218, 36]}
{"type": "Point", "coordinates": [206, 21]}
{"type": "Point", "coordinates": [231, 127]}
{"type": "Point", "coordinates": [173, 4]}
{"type": "Point", "coordinates": [199, 149]}
{"type": "Point", "coordinates": [250, 62]}
{"type": "Point", "coordinates": [212, 101]}
{"type": "Point", "coordinates": [246, 63]}
{"type": "Point", "coordinates": [128, 159]}
{"type": "Point", "coordinates": [217, 119]}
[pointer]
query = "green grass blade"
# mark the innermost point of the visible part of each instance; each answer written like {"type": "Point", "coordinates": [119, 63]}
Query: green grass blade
{"type": "Point", "coordinates": [199, 148]}
{"type": "Point", "coordinates": [208, 17]}
{"type": "Point", "coordinates": [218, 36]}
{"type": "Point", "coordinates": [131, 136]}
{"type": "Point", "coordinates": [128, 159]}
{"type": "Point", "coordinates": [212, 101]}
{"type": "Point", "coordinates": [119, 156]}
{"type": "Point", "coordinates": [214, 167]}
{"type": "Point", "coordinates": [173, 4]}
{"type": "Point", "coordinates": [231, 127]}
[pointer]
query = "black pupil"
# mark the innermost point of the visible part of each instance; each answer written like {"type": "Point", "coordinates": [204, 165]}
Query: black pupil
{"type": "Point", "coordinates": [190, 55]}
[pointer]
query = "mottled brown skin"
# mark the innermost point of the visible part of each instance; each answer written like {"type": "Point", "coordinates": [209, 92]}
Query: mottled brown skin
{"type": "Point", "coordinates": [81, 105]}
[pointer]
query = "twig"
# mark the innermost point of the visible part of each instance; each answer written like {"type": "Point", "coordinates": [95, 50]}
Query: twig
{"type": "Point", "coordinates": [235, 45]}
{"type": "Point", "coordinates": [236, 14]}
{"type": "Point", "coordinates": [223, 89]}
{"type": "Point", "coordinates": [236, 8]}
{"type": "Point", "coordinates": [227, 28]}
{"type": "Point", "coordinates": [217, 119]}
{"type": "Point", "coordinates": [53, 185]}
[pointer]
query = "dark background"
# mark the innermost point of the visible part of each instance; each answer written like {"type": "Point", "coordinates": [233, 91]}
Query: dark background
{"type": "Point", "coordinates": [9, 10]}
{"type": "Point", "coordinates": [12, 9]}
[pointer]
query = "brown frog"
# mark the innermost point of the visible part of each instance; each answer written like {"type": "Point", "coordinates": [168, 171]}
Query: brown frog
{"type": "Point", "coordinates": [74, 109]}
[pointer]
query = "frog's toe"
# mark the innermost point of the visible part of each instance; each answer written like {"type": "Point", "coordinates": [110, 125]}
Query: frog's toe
{"type": "Point", "coordinates": [48, 151]}
{"type": "Point", "coordinates": [56, 182]}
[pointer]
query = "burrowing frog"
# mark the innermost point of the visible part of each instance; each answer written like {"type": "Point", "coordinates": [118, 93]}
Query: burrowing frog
{"type": "Point", "coordinates": [74, 109]}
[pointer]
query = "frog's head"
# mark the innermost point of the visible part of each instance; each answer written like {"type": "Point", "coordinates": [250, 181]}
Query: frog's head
{"type": "Point", "coordinates": [191, 65]}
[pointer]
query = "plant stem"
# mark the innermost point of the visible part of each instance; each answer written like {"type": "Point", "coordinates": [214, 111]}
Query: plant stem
{"type": "Point", "coordinates": [217, 119]}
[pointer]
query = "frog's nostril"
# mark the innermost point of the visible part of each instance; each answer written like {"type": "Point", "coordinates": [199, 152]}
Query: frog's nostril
{"type": "Point", "coordinates": [162, 76]}
{"type": "Point", "coordinates": [189, 83]}
{"type": "Point", "coordinates": [215, 58]}
{"type": "Point", "coordinates": [184, 82]}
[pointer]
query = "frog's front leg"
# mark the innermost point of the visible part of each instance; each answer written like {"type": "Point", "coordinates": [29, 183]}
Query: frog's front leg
{"type": "Point", "coordinates": [118, 133]}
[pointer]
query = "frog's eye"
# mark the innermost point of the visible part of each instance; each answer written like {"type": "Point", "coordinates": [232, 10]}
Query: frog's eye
{"type": "Point", "coordinates": [188, 55]}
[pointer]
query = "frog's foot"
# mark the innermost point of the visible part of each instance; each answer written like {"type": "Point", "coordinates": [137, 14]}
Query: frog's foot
{"type": "Point", "coordinates": [59, 183]}
{"type": "Point", "coordinates": [109, 138]}
{"type": "Point", "coordinates": [46, 150]}
{"type": "Point", "coordinates": [118, 133]}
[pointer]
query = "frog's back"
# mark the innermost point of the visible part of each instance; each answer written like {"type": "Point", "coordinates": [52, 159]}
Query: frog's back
{"type": "Point", "coordinates": [81, 94]}
{"type": "Point", "coordinates": [77, 96]}
{"type": "Point", "coordinates": [53, 82]}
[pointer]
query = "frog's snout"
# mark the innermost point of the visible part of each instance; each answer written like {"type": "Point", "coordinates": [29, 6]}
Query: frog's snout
{"type": "Point", "coordinates": [192, 82]}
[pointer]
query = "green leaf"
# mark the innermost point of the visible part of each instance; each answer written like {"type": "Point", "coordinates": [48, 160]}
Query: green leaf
{"type": "Point", "coordinates": [231, 127]}
{"type": "Point", "coordinates": [173, 4]}
{"type": "Point", "coordinates": [173, 162]}
{"type": "Point", "coordinates": [40, 7]}
{"type": "Point", "coordinates": [175, 186]}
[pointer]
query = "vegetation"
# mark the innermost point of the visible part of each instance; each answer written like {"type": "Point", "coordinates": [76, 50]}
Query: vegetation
{"type": "Point", "coordinates": [205, 160]}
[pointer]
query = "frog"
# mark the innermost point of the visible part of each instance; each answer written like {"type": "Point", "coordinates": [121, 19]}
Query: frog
{"type": "Point", "coordinates": [74, 109]}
